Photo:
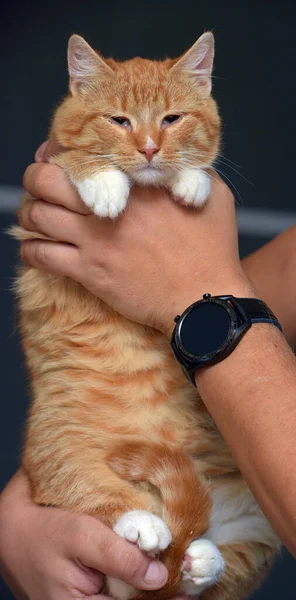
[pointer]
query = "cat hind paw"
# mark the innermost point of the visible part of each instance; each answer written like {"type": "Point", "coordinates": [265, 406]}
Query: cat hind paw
{"type": "Point", "coordinates": [145, 529]}
{"type": "Point", "coordinates": [202, 566]}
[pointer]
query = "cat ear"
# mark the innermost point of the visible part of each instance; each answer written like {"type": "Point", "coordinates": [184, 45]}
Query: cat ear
{"type": "Point", "coordinates": [83, 64]}
{"type": "Point", "coordinates": [198, 61]}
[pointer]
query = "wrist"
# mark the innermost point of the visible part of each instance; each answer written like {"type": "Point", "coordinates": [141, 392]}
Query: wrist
{"type": "Point", "coordinates": [254, 363]}
{"type": "Point", "coordinates": [236, 284]}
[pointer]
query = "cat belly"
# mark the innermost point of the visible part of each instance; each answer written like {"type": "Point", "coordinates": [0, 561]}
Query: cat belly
{"type": "Point", "coordinates": [95, 375]}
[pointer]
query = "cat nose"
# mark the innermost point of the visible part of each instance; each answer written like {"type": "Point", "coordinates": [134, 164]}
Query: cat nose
{"type": "Point", "coordinates": [149, 149]}
{"type": "Point", "coordinates": [149, 152]}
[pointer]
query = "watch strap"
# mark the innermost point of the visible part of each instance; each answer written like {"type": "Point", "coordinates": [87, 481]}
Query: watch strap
{"type": "Point", "coordinates": [256, 311]}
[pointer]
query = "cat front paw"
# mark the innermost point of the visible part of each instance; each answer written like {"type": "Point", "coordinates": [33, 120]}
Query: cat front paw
{"type": "Point", "coordinates": [192, 187]}
{"type": "Point", "coordinates": [145, 529]}
{"type": "Point", "coordinates": [106, 193]}
{"type": "Point", "coordinates": [202, 566]}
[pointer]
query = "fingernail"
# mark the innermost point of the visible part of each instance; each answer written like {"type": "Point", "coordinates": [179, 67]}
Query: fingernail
{"type": "Point", "coordinates": [156, 573]}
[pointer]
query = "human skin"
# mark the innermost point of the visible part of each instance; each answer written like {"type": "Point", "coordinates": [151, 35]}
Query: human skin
{"type": "Point", "coordinates": [107, 258]}
{"type": "Point", "coordinates": [52, 554]}
{"type": "Point", "coordinates": [272, 270]}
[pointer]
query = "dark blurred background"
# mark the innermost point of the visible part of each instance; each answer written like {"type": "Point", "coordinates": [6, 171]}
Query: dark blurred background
{"type": "Point", "coordinates": [254, 84]}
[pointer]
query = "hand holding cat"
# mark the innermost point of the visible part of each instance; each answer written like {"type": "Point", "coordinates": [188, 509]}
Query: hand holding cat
{"type": "Point", "coordinates": [150, 263]}
{"type": "Point", "coordinates": [61, 554]}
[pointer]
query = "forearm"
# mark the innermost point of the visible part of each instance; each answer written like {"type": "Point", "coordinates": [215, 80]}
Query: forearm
{"type": "Point", "coordinates": [251, 396]}
{"type": "Point", "coordinates": [8, 512]}
{"type": "Point", "coordinates": [272, 271]}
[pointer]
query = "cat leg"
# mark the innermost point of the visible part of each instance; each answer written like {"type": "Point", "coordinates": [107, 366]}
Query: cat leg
{"type": "Point", "coordinates": [239, 539]}
{"type": "Point", "coordinates": [103, 189]}
{"type": "Point", "coordinates": [191, 186]}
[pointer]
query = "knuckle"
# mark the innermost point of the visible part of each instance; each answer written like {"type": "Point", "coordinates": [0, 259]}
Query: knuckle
{"type": "Point", "coordinates": [82, 531]}
{"type": "Point", "coordinates": [36, 212]}
{"type": "Point", "coordinates": [107, 551]}
{"type": "Point", "coordinates": [25, 251]}
{"type": "Point", "coordinates": [41, 253]}
{"type": "Point", "coordinates": [133, 565]}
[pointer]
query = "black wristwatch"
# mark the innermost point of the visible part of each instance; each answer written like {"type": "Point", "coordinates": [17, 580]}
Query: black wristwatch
{"type": "Point", "coordinates": [210, 329]}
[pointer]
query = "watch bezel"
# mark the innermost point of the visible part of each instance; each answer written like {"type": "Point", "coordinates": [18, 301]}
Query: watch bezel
{"type": "Point", "coordinates": [235, 330]}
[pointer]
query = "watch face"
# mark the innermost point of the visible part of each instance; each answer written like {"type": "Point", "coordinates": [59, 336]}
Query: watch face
{"type": "Point", "coordinates": [206, 329]}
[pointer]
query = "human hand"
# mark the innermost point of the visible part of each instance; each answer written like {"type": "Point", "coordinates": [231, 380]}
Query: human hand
{"type": "Point", "coordinates": [52, 554]}
{"type": "Point", "coordinates": [149, 264]}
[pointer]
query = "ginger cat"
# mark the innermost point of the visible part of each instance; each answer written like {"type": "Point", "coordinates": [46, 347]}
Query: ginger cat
{"type": "Point", "coordinates": [115, 430]}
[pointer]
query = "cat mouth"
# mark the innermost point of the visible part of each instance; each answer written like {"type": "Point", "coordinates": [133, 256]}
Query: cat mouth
{"type": "Point", "coordinates": [151, 169]}
{"type": "Point", "coordinates": [148, 174]}
{"type": "Point", "coordinates": [150, 166]}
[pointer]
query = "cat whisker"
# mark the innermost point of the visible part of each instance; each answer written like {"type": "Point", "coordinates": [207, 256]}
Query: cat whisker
{"type": "Point", "coordinates": [49, 179]}
{"type": "Point", "coordinates": [188, 164]}
{"type": "Point", "coordinates": [88, 163]}
{"type": "Point", "coordinates": [222, 78]}
{"type": "Point", "coordinates": [232, 186]}
{"type": "Point", "coordinates": [230, 161]}
{"type": "Point", "coordinates": [219, 159]}
{"type": "Point", "coordinates": [93, 162]}
{"type": "Point", "coordinates": [81, 162]}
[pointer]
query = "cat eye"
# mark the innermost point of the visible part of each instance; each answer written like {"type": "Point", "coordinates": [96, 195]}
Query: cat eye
{"type": "Point", "coordinates": [169, 119]}
{"type": "Point", "coordinates": [122, 121]}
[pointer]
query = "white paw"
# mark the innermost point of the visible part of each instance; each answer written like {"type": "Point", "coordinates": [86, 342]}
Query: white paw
{"type": "Point", "coordinates": [203, 566]}
{"type": "Point", "coordinates": [106, 193]}
{"type": "Point", "coordinates": [146, 530]}
{"type": "Point", "coordinates": [192, 187]}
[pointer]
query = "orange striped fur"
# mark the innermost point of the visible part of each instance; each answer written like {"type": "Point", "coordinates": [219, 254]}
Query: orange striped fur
{"type": "Point", "coordinates": [114, 425]}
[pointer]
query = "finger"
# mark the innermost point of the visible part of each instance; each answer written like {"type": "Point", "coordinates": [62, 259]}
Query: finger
{"type": "Point", "coordinates": [50, 183]}
{"type": "Point", "coordinates": [105, 551]}
{"type": "Point", "coordinates": [46, 150]}
{"type": "Point", "coordinates": [88, 582]}
{"type": "Point", "coordinates": [57, 258]}
{"type": "Point", "coordinates": [40, 152]}
{"type": "Point", "coordinates": [55, 222]}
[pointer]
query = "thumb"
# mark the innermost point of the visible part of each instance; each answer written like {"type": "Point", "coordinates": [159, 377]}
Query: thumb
{"type": "Point", "coordinates": [100, 548]}
{"type": "Point", "coordinates": [46, 150]}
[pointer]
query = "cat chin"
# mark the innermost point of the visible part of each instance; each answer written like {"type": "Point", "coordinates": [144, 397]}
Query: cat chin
{"type": "Point", "coordinates": [149, 176]}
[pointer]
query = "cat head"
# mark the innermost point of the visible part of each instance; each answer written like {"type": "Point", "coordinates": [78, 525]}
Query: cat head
{"type": "Point", "coordinates": [144, 117]}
